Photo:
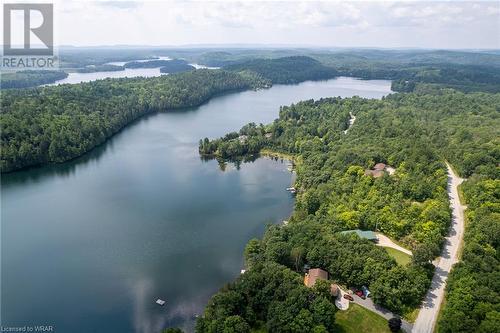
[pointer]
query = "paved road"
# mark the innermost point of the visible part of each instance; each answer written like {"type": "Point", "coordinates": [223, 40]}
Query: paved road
{"type": "Point", "coordinates": [429, 311]}
{"type": "Point", "coordinates": [368, 304]}
{"type": "Point", "coordinates": [387, 242]}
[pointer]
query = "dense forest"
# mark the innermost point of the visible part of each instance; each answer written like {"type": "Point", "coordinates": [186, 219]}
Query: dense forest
{"type": "Point", "coordinates": [146, 64]}
{"type": "Point", "coordinates": [415, 70]}
{"type": "Point", "coordinates": [473, 294]}
{"type": "Point", "coordinates": [270, 293]}
{"type": "Point", "coordinates": [411, 70]}
{"type": "Point", "coordinates": [343, 57]}
{"type": "Point", "coordinates": [24, 79]}
{"type": "Point", "coordinates": [100, 68]}
{"type": "Point", "coordinates": [287, 70]}
{"type": "Point", "coordinates": [414, 134]}
{"type": "Point", "coordinates": [55, 124]}
{"type": "Point", "coordinates": [176, 66]}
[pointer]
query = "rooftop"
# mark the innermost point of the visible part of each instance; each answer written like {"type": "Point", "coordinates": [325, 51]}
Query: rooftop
{"type": "Point", "coordinates": [379, 166]}
{"type": "Point", "coordinates": [366, 234]}
{"type": "Point", "coordinates": [313, 275]}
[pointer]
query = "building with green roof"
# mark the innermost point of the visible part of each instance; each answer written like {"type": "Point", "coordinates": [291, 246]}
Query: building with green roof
{"type": "Point", "coordinates": [366, 234]}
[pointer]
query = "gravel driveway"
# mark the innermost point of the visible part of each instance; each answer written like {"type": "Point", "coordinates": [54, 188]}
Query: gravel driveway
{"type": "Point", "coordinates": [429, 311]}
{"type": "Point", "coordinates": [368, 304]}
{"type": "Point", "coordinates": [387, 242]}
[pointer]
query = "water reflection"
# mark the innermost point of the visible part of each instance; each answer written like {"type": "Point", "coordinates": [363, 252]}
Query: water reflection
{"type": "Point", "coordinates": [92, 243]}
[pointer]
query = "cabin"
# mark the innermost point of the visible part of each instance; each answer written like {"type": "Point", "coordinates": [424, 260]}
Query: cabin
{"type": "Point", "coordinates": [313, 275]}
{"type": "Point", "coordinates": [364, 234]}
{"type": "Point", "coordinates": [316, 274]}
{"type": "Point", "coordinates": [379, 170]}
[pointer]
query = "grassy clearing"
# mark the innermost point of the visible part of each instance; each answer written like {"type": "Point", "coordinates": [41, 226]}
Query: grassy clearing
{"type": "Point", "coordinates": [400, 257]}
{"type": "Point", "coordinates": [358, 319]}
{"type": "Point", "coordinates": [355, 320]}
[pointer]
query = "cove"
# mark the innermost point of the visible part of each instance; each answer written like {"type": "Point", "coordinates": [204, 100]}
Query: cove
{"type": "Point", "coordinates": [75, 77]}
{"type": "Point", "coordinates": [89, 245]}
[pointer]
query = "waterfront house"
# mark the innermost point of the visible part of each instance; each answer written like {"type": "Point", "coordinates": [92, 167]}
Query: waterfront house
{"type": "Point", "coordinates": [313, 275]}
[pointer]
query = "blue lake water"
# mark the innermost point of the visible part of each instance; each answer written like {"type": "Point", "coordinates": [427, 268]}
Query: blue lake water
{"type": "Point", "coordinates": [75, 77]}
{"type": "Point", "coordinates": [89, 245]}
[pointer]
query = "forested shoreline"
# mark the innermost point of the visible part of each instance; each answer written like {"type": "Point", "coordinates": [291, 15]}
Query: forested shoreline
{"type": "Point", "coordinates": [410, 70]}
{"type": "Point", "coordinates": [56, 124]}
{"type": "Point", "coordinates": [287, 70]}
{"type": "Point", "coordinates": [26, 79]}
{"type": "Point", "coordinates": [415, 134]}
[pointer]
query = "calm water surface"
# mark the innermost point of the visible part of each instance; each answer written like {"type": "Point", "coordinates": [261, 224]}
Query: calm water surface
{"type": "Point", "coordinates": [89, 245]}
{"type": "Point", "coordinates": [73, 78]}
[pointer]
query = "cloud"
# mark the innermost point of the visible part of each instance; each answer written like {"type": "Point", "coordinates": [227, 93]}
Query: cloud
{"type": "Point", "coordinates": [119, 4]}
{"type": "Point", "coordinates": [326, 23]}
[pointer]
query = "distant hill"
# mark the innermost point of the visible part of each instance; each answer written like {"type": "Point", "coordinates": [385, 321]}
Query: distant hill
{"type": "Point", "coordinates": [147, 64]}
{"type": "Point", "coordinates": [25, 79]}
{"type": "Point", "coordinates": [176, 66]}
{"type": "Point", "coordinates": [286, 70]}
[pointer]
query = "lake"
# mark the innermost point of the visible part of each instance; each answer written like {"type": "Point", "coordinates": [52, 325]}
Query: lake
{"type": "Point", "coordinates": [75, 77]}
{"type": "Point", "coordinates": [89, 245]}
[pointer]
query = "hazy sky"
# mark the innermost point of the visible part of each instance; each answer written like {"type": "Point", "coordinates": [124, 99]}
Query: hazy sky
{"type": "Point", "coordinates": [432, 24]}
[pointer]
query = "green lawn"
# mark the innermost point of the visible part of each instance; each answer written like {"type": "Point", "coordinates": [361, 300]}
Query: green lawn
{"type": "Point", "coordinates": [400, 257]}
{"type": "Point", "coordinates": [357, 319]}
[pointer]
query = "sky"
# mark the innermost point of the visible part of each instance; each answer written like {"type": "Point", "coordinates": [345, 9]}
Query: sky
{"type": "Point", "coordinates": [401, 24]}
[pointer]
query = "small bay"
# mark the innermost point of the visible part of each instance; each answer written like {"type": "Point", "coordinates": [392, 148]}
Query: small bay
{"type": "Point", "coordinates": [89, 245]}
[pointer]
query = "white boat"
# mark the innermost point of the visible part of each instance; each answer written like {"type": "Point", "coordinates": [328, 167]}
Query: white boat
{"type": "Point", "coordinates": [160, 302]}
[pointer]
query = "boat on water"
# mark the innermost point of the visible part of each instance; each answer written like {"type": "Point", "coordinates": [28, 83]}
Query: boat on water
{"type": "Point", "coordinates": [160, 302]}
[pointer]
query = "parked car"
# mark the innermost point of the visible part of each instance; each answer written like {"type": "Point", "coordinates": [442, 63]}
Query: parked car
{"type": "Point", "coordinates": [360, 294]}
{"type": "Point", "coordinates": [365, 290]}
{"type": "Point", "coordinates": [348, 297]}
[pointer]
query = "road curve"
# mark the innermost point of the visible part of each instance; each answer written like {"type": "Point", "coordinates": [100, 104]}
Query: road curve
{"type": "Point", "coordinates": [384, 241]}
{"type": "Point", "coordinates": [426, 320]}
